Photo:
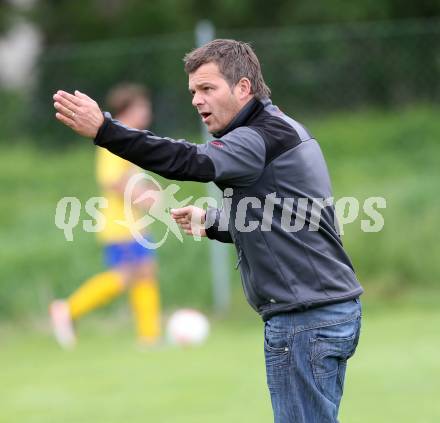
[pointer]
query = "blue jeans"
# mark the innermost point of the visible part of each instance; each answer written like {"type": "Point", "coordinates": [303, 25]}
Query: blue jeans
{"type": "Point", "coordinates": [306, 357]}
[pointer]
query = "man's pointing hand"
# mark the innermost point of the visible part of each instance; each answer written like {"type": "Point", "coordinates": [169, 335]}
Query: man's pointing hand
{"type": "Point", "coordinates": [79, 112]}
{"type": "Point", "coordinates": [191, 219]}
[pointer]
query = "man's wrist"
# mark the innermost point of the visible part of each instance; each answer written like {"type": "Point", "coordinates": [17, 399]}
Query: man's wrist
{"type": "Point", "coordinates": [106, 118]}
{"type": "Point", "coordinates": [211, 221]}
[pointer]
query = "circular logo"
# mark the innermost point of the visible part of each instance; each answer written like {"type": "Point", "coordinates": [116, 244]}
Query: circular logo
{"type": "Point", "coordinates": [162, 200]}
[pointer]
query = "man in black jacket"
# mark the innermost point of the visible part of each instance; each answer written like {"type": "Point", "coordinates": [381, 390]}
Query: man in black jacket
{"type": "Point", "coordinates": [272, 173]}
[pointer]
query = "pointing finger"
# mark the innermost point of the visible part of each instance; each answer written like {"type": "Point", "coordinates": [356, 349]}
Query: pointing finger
{"type": "Point", "coordinates": [73, 99]}
{"type": "Point", "coordinates": [181, 212]}
{"type": "Point", "coordinates": [82, 95]}
{"type": "Point", "coordinates": [66, 103]}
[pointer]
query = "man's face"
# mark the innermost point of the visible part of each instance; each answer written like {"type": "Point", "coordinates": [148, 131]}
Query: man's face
{"type": "Point", "coordinates": [215, 101]}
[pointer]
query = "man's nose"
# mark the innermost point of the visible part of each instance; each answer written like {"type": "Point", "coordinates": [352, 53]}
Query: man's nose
{"type": "Point", "coordinates": [197, 100]}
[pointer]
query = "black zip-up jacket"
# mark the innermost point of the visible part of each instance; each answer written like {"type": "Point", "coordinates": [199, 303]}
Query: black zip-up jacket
{"type": "Point", "coordinates": [277, 205]}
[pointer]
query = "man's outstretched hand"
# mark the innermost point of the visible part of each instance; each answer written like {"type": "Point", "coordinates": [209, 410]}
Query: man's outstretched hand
{"type": "Point", "coordinates": [79, 112]}
{"type": "Point", "coordinates": [191, 219]}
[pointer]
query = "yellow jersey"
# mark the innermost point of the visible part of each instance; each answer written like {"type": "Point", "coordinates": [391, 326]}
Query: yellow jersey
{"type": "Point", "coordinates": [109, 170]}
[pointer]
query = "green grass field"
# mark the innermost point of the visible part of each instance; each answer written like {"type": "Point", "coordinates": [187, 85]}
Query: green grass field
{"type": "Point", "coordinates": [394, 376]}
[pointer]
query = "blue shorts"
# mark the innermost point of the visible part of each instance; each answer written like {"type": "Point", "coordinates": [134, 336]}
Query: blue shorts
{"type": "Point", "coordinates": [126, 253]}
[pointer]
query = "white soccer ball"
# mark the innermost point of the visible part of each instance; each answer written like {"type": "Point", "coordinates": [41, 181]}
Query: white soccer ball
{"type": "Point", "coordinates": [187, 327]}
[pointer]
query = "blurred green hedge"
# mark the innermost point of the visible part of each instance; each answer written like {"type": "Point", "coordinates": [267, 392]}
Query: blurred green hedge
{"type": "Point", "coordinates": [312, 70]}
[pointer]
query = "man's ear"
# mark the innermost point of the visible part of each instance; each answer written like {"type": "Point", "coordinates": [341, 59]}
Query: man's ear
{"type": "Point", "coordinates": [245, 88]}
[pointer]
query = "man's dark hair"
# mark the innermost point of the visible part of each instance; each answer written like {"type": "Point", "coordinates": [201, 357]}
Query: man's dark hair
{"type": "Point", "coordinates": [235, 60]}
{"type": "Point", "coordinates": [123, 95]}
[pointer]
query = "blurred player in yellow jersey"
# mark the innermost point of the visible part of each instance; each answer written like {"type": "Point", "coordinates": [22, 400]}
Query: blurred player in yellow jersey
{"type": "Point", "coordinates": [130, 265]}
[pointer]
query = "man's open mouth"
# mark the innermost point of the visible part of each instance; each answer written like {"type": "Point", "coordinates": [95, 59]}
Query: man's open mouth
{"type": "Point", "coordinates": [205, 115]}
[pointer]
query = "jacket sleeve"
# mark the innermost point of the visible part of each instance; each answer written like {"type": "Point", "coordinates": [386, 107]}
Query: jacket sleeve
{"type": "Point", "coordinates": [237, 158]}
{"type": "Point", "coordinates": [213, 225]}
{"type": "Point", "coordinates": [173, 159]}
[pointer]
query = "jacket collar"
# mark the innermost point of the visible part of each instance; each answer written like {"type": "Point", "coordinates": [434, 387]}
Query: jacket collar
{"type": "Point", "coordinates": [248, 112]}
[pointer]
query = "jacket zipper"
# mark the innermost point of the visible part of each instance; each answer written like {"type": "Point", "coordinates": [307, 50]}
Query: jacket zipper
{"type": "Point", "coordinates": [247, 283]}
